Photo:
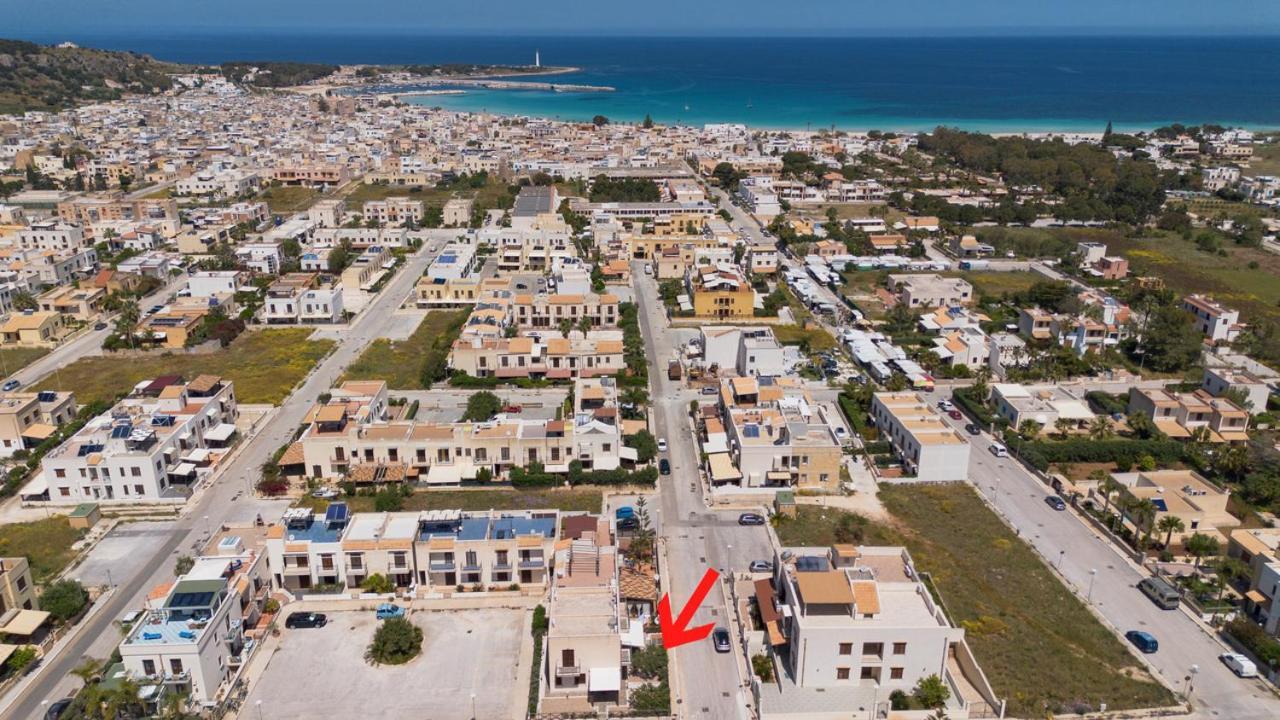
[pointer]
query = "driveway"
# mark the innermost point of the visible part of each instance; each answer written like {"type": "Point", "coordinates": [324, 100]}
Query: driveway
{"type": "Point", "coordinates": [321, 674]}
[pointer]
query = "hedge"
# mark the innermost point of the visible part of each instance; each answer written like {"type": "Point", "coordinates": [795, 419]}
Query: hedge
{"type": "Point", "coordinates": [536, 476]}
{"type": "Point", "coordinates": [1041, 454]}
{"type": "Point", "coordinates": [1106, 403]}
{"type": "Point", "coordinates": [1256, 640]}
{"type": "Point", "coordinates": [974, 407]}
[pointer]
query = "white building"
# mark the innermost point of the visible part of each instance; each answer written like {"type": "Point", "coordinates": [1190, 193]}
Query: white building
{"type": "Point", "coordinates": [455, 261]}
{"type": "Point", "coordinates": [215, 282]}
{"type": "Point", "coordinates": [51, 235]}
{"type": "Point", "coordinates": [926, 444]}
{"type": "Point", "coordinates": [154, 445]}
{"type": "Point", "coordinates": [263, 257]}
{"type": "Point", "coordinates": [194, 632]}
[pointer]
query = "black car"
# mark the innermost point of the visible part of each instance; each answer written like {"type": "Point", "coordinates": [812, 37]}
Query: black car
{"type": "Point", "coordinates": [629, 523]}
{"type": "Point", "coordinates": [973, 429]}
{"type": "Point", "coordinates": [306, 620]}
{"type": "Point", "coordinates": [720, 638]}
{"type": "Point", "coordinates": [664, 466]}
{"type": "Point", "coordinates": [100, 326]}
{"type": "Point", "coordinates": [1055, 502]}
{"type": "Point", "coordinates": [751, 519]}
{"type": "Point", "coordinates": [57, 708]}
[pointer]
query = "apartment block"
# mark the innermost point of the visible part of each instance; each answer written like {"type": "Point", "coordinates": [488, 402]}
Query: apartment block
{"type": "Point", "coordinates": [1184, 494]}
{"type": "Point", "coordinates": [1044, 405]}
{"type": "Point", "coordinates": [851, 624]}
{"type": "Point", "coordinates": [51, 235]}
{"type": "Point", "coordinates": [28, 419]}
{"type": "Point", "coordinates": [1183, 415]}
{"type": "Point", "coordinates": [33, 329]}
{"type": "Point", "coordinates": [458, 292]}
{"type": "Point", "coordinates": [304, 298]}
{"type": "Point", "coordinates": [1259, 548]}
{"type": "Point", "coordinates": [1212, 319]}
{"type": "Point", "coordinates": [774, 436]}
{"type": "Point", "coordinates": [927, 446]}
{"type": "Point", "coordinates": [1218, 381]}
{"type": "Point", "coordinates": [456, 261]}
{"type": "Point", "coordinates": [198, 630]}
{"type": "Point", "coordinates": [548, 310]}
{"type": "Point", "coordinates": [553, 357]}
{"type": "Point", "coordinates": [720, 293]}
{"type": "Point", "coordinates": [393, 210]}
{"type": "Point", "coordinates": [433, 550]}
{"type": "Point", "coordinates": [157, 444]}
{"type": "Point", "coordinates": [17, 590]}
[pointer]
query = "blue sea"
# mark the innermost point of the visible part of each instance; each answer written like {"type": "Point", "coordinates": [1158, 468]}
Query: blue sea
{"type": "Point", "coordinates": [981, 83]}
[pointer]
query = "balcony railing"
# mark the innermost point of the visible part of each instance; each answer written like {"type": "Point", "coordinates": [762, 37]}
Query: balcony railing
{"type": "Point", "coordinates": [568, 671]}
{"type": "Point", "coordinates": [442, 567]}
{"type": "Point", "coordinates": [532, 563]}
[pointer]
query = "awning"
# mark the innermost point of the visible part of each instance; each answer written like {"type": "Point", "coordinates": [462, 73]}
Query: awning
{"type": "Point", "coordinates": [39, 431]}
{"type": "Point", "coordinates": [221, 433]}
{"type": "Point", "coordinates": [185, 468]}
{"type": "Point", "coordinates": [444, 475]}
{"type": "Point", "coordinates": [25, 623]}
{"type": "Point", "coordinates": [1257, 597]}
{"type": "Point", "coordinates": [607, 679]}
{"type": "Point", "coordinates": [5, 651]}
{"type": "Point", "coordinates": [628, 453]}
{"type": "Point", "coordinates": [199, 455]}
{"type": "Point", "coordinates": [39, 485]}
{"type": "Point", "coordinates": [722, 469]}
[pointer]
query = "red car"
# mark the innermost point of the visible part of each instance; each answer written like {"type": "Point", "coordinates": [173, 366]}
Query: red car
{"type": "Point", "coordinates": [512, 409]}
{"type": "Point", "coordinates": [955, 415]}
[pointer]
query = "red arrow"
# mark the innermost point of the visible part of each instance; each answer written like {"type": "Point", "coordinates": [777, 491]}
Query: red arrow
{"type": "Point", "coordinates": [677, 633]}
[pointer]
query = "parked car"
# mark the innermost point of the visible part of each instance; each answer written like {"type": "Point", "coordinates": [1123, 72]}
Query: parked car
{"type": "Point", "coordinates": [751, 519]}
{"type": "Point", "coordinates": [629, 524]}
{"type": "Point", "coordinates": [945, 405]}
{"type": "Point", "coordinates": [57, 709]}
{"type": "Point", "coordinates": [306, 620]}
{"type": "Point", "coordinates": [1239, 664]}
{"type": "Point", "coordinates": [999, 450]}
{"type": "Point", "coordinates": [154, 309]}
{"type": "Point", "coordinates": [100, 326]}
{"type": "Point", "coordinates": [721, 639]}
{"type": "Point", "coordinates": [512, 408]}
{"type": "Point", "coordinates": [1055, 502]}
{"type": "Point", "coordinates": [626, 511]}
{"type": "Point", "coordinates": [325, 493]}
{"type": "Point", "coordinates": [708, 390]}
{"type": "Point", "coordinates": [956, 415]}
{"type": "Point", "coordinates": [389, 610]}
{"type": "Point", "coordinates": [973, 429]}
{"type": "Point", "coordinates": [662, 444]}
{"type": "Point", "coordinates": [1164, 595]}
{"type": "Point", "coordinates": [11, 385]}
{"type": "Point", "coordinates": [1142, 640]}
{"type": "Point", "coordinates": [761, 566]}
{"type": "Point", "coordinates": [664, 466]}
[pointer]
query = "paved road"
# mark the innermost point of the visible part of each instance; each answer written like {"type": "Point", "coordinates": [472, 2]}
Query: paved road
{"type": "Point", "coordinates": [89, 342]}
{"type": "Point", "coordinates": [1070, 544]}
{"type": "Point", "coordinates": [708, 684]}
{"type": "Point", "coordinates": [224, 501]}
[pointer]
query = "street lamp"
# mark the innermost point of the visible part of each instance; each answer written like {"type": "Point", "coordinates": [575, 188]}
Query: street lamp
{"type": "Point", "coordinates": [1093, 573]}
{"type": "Point", "coordinates": [1061, 555]}
{"type": "Point", "coordinates": [258, 704]}
{"type": "Point", "coordinates": [1191, 681]}
{"type": "Point", "coordinates": [473, 706]}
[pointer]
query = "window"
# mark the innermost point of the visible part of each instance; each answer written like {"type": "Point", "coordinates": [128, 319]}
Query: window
{"type": "Point", "coordinates": [876, 649]}
{"type": "Point", "coordinates": [175, 665]}
{"type": "Point", "coordinates": [137, 489]}
{"type": "Point", "coordinates": [59, 472]}
{"type": "Point", "coordinates": [22, 583]}
{"type": "Point", "coordinates": [846, 648]}
{"type": "Point", "coordinates": [135, 471]}
{"type": "Point", "coordinates": [895, 673]}
{"type": "Point", "coordinates": [899, 648]}
{"type": "Point", "coordinates": [870, 673]}
{"type": "Point", "coordinates": [842, 673]}
{"type": "Point", "coordinates": [148, 667]}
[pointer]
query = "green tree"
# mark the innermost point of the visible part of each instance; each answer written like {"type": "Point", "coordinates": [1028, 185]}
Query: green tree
{"type": "Point", "coordinates": [389, 500]}
{"type": "Point", "coordinates": [645, 445]}
{"type": "Point", "coordinates": [599, 121]}
{"type": "Point", "coordinates": [1100, 428]}
{"type": "Point", "coordinates": [1201, 546]}
{"type": "Point", "coordinates": [931, 692]}
{"type": "Point", "coordinates": [396, 642]}
{"type": "Point", "coordinates": [25, 301]}
{"type": "Point", "coordinates": [183, 565]}
{"type": "Point", "coordinates": [648, 122]}
{"type": "Point", "coordinates": [1170, 524]}
{"type": "Point", "coordinates": [481, 407]}
{"type": "Point", "coordinates": [64, 599]}
{"type": "Point", "coordinates": [378, 583]}
{"type": "Point", "coordinates": [126, 320]}
{"type": "Point", "coordinates": [1168, 343]}
{"type": "Point", "coordinates": [762, 666]}
{"type": "Point", "coordinates": [566, 326]}
{"type": "Point", "coordinates": [650, 662]}
{"type": "Point", "coordinates": [1063, 426]}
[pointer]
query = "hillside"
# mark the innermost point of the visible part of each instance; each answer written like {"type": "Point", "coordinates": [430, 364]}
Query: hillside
{"type": "Point", "coordinates": [39, 77]}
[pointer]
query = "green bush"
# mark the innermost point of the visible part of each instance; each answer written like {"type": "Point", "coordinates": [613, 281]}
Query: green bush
{"type": "Point", "coordinates": [973, 406]}
{"type": "Point", "coordinates": [650, 662]}
{"type": "Point", "coordinates": [20, 660]}
{"type": "Point", "coordinates": [651, 699]}
{"type": "Point", "coordinates": [377, 583]}
{"type": "Point", "coordinates": [1256, 640]}
{"type": "Point", "coordinates": [1040, 454]}
{"type": "Point", "coordinates": [396, 642]}
{"type": "Point", "coordinates": [64, 600]}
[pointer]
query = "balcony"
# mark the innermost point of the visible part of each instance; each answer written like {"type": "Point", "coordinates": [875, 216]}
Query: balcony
{"type": "Point", "coordinates": [471, 567]}
{"type": "Point", "coordinates": [297, 570]}
{"type": "Point", "coordinates": [532, 563]}
{"type": "Point", "coordinates": [568, 671]}
{"type": "Point", "coordinates": [442, 567]}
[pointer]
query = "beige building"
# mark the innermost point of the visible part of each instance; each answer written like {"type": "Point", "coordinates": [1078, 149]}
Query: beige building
{"type": "Point", "coordinates": [929, 290]}
{"type": "Point", "coordinates": [552, 357]}
{"type": "Point", "coordinates": [457, 212]}
{"type": "Point", "coordinates": [83, 303]}
{"type": "Point", "coordinates": [17, 591]}
{"type": "Point", "coordinates": [456, 292]}
{"type": "Point", "coordinates": [928, 447]}
{"type": "Point", "coordinates": [1183, 415]}
{"type": "Point", "coordinates": [28, 419]}
{"type": "Point", "coordinates": [33, 329]}
{"type": "Point", "coordinates": [1198, 503]}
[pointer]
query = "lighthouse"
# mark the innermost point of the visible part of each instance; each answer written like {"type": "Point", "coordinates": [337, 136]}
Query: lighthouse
{"type": "Point", "coordinates": [537, 59]}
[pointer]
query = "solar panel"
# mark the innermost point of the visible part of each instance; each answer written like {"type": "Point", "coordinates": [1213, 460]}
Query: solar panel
{"type": "Point", "coordinates": [47, 396]}
{"type": "Point", "coordinates": [88, 449]}
{"type": "Point", "coordinates": [162, 420]}
{"type": "Point", "coordinates": [751, 431]}
{"type": "Point", "coordinates": [120, 432]}
{"type": "Point", "coordinates": [336, 513]}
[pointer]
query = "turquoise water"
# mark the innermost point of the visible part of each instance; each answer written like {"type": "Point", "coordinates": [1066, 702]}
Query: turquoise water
{"type": "Point", "coordinates": [989, 83]}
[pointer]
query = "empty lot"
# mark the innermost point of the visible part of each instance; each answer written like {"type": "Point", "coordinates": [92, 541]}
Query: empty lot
{"type": "Point", "coordinates": [320, 674]}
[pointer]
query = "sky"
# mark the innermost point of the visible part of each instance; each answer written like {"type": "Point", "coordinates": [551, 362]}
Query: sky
{"type": "Point", "coordinates": [45, 19]}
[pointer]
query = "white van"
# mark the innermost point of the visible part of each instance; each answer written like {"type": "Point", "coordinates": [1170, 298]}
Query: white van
{"type": "Point", "coordinates": [999, 450]}
{"type": "Point", "coordinates": [1239, 664]}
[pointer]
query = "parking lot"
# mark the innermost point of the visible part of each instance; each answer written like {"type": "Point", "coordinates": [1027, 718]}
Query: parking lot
{"type": "Point", "coordinates": [321, 673]}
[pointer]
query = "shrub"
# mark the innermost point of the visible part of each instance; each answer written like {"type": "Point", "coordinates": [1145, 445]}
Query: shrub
{"type": "Point", "coordinates": [64, 599]}
{"type": "Point", "coordinates": [651, 699]}
{"type": "Point", "coordinates": [931, 692]}
{"type": "Point", "coordinates": [396, 642]}
{"type": "Point", "coordinates": [762, 666]}
{"type": "Point", "coordinates": [1255, 640]}
{"type": "Point", "coordinates": [20, 660]}
{"type": "Point", "coordinates": [389, 500]}
{"type": "Point", "coordinates": [377, 583]}
{"type": "Point", "coordinates": [539, 624]}
{"type": "Point", "coordinates": [650, 662]}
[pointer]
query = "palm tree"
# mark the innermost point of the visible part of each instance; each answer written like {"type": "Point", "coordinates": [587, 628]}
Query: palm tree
{"type": "Point", "coordinates": [1144, 512]}
{"type": "Point", "coordinates": [566, 327]}
{"type": "Point", "coordinates": [1201, 546]}
{"type": "Point", "coordinates": [1100, 429]}
{"type": "Point", "coordinates": [1107, 486]}
{"type": "Point", "coordinates": [1169, 524]}
{"type": "Point", "coordinates": [1063, 426]}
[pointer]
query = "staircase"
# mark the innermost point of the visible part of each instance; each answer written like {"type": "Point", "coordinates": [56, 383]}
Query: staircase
{"type": "Point", "coordinates": [584, 557]}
